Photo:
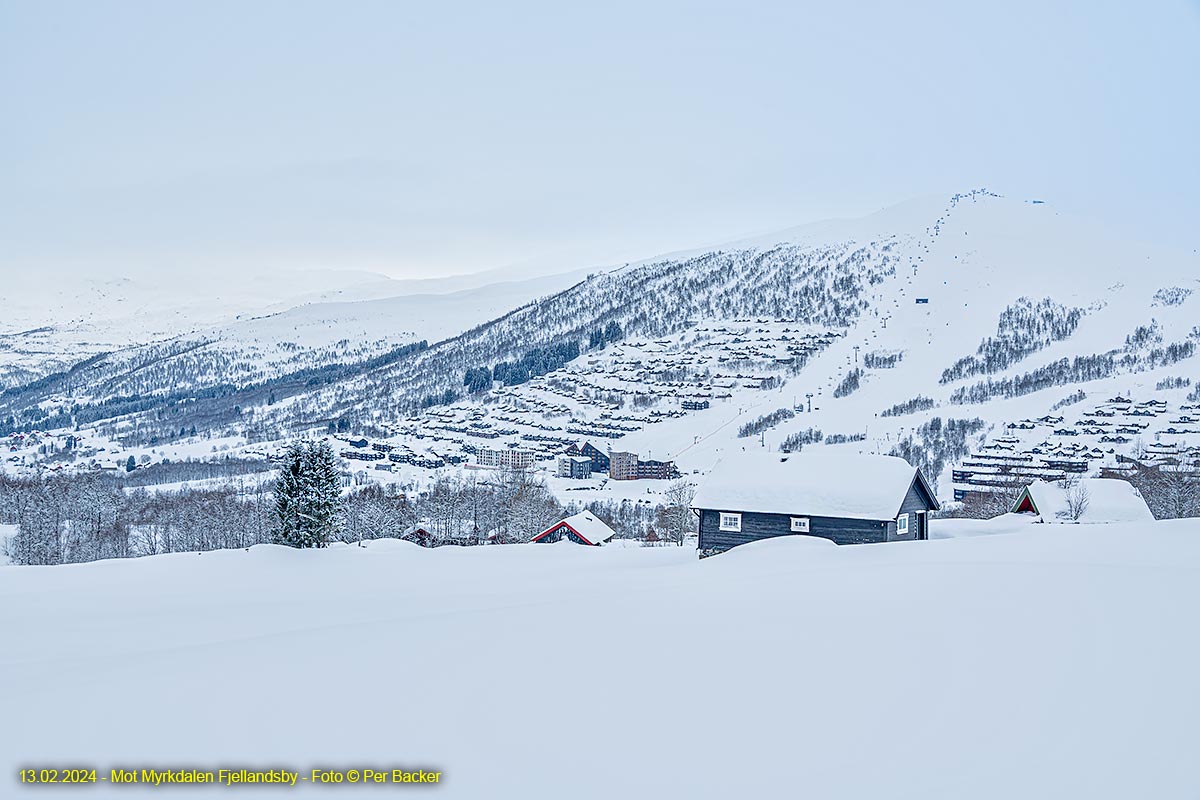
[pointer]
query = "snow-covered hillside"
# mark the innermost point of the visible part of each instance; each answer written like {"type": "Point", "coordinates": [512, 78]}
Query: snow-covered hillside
{"type": "Point", "coordinates": [1045, 662]}
{"type": "Point", "coordinates": [991, 311]}
{"type": "Point", "coordinates": [238, 331]}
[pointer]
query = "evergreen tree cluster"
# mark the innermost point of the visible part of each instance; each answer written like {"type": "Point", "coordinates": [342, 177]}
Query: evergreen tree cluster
{"type": "Point", "coordinates": [849, 384]}
{"type": "Point", "coordinates": [1070, 400]}
{"type": "Point", "coordinates": [844, 438]}
{"type": "Point", "coordinates": [478, 379]}
{"type": "Point", "coordinates": [608, 334]}
{"type": "Point", "coordinates": [537, 361]}
{"type": "Point", "coordinates": [796, 441]}
{"type": "Point", "coordinates": [1058, 373]}
{"type": "Point", "coordinates": [918, 403]}
{"type": "Point", "coordinates": [1081, 369]}
{"type": "Point", "coordinates": [1173, 383]}
{"type": "Point", "coordinates": [1161, 356]}
{"type": "Point", "coordinates": [757, 426]}
{"type": "Point", "coordinates": [307, 495]}
{"type": "Point", "coordinates": [881, 360]}
{"type": "Point", "coordinates": [1143, 336]}
{"type": "Point", "coordinates": [1171, 296]}
{"type": "Point", "coordinates": [1024, 328]}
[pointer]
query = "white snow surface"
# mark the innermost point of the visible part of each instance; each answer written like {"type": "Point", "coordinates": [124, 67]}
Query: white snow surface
{"type": "Point", "coordinates": [1046, 663]}
{"type": "Point", "coordinates": [1108, 500]}
{"type": "Point", "coordinates": [824, 483]}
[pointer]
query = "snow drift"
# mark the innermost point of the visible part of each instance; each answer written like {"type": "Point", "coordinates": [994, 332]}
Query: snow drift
{"type": "Point", "coordinates": [1053, 662]}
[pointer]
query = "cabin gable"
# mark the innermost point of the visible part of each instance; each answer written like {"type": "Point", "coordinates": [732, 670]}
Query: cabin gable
{"type": "Point", "coordinates": [1025, 504]}
{"type": "Point", "coordinates": [919, 497]}
{"type": "Point", "coordinates": [559, 532]}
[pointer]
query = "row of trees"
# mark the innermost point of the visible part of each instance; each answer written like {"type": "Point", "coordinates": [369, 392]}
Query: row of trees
{"type": "Point", "coordinates": [918, 403]}
{"type": "Point", "coordinates": [1024, 328]}
{"type": "Point", "coordinates": [757, 426]}
{"type": "Point", "coordinates": [1173, 383]}
{"type": "Point", "coordinates": [881, 360]}
{"type": "Point", "coordinates": [1081, 368]}
{"type": "Point", "coordinates": [795, 441]}
{"type": "Point", "coordinates": [88, 516]}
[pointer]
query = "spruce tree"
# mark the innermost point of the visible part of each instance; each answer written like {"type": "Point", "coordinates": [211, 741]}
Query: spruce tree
{"type": "Point", "coordinates": [325, 492]}
{"type": "Point", "coordinates": [307, 495]}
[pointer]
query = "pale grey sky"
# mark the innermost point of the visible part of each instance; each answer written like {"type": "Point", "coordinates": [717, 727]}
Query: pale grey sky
{"type": "Point", "coordinates": [436, 138]}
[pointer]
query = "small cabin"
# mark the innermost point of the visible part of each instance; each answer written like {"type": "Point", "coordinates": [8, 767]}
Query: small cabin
{"type": "Point", "coordinates": [582, 528]}
{"type": "Point", "coordinates": [846, 498]}
{"type": "Point", "coordinates": [1084, 500]}
{"type": "Point", "coordinates": [418, 535]}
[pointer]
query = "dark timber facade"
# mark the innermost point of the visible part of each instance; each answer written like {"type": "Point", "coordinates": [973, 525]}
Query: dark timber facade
{"type": "Point", "coordinates": [910, 522]}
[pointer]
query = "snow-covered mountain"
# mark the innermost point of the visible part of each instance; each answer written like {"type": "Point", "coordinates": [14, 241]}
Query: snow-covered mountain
{"type": "Point", "coordinates": [267, 324]}
{"type": "Point", "coordinates": [976, 307]}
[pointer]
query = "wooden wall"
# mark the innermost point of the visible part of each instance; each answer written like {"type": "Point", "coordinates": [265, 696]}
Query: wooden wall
{"type": "Point", "coordinates": [764, 526]}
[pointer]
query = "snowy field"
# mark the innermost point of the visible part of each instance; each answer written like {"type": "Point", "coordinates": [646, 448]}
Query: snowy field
{"type": "Point", "coordinates": [1041, 662]}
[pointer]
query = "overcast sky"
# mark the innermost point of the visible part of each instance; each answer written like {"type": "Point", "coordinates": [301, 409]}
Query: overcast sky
{"type": "Point", "coordinates": [423, 139]}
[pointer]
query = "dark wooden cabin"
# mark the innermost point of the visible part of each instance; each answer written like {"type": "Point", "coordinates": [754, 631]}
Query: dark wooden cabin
{"type": "Point", "coordinates": [846, 498]}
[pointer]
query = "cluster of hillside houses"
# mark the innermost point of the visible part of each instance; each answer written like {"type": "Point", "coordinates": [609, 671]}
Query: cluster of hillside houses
{"type": "Point", "coordinates": [1087, 445]}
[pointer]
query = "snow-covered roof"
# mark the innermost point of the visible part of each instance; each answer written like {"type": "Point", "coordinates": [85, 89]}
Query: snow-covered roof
{"type": "Point", "coordinates": [587, 525]}
{"type": "Point", "coordinates": [1108, 500]}
{"type": "Point", "coordinates": [821, 483]}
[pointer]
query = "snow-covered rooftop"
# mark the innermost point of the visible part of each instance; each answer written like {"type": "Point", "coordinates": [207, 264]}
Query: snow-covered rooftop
{"type": "Point", "coordinates": [822, 483]}
{"type": "Point", "coordinates": [589, 526]}
{"type": "Point", "coordinates": [1097, 500]}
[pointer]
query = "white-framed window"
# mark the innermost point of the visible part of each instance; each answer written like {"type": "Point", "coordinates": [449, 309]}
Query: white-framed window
{"type": "Point", "coordinates": [902, 525]}
{"type": "Point", "coordinates": [799, 524]}
{"type": "Point", "coordinates": [731, 521]}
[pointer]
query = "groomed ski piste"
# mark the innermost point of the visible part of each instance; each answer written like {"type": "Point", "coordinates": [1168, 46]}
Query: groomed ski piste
{"type": "Point", "coordinates": [1001, 659]}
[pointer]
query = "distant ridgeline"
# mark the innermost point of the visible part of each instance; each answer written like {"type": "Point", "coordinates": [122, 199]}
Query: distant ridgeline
{"type": "Point", "coordinates": [217, 404]}
{"type": "Point", "coordinates": [161, 389]}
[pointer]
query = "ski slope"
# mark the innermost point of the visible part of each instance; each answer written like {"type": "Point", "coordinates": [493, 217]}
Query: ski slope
{"type": "Point", "coordinates": [1038, 662]}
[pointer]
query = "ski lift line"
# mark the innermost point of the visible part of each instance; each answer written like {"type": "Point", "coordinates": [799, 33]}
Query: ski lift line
{"type": "Point", "coordinates": [713, 432]}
